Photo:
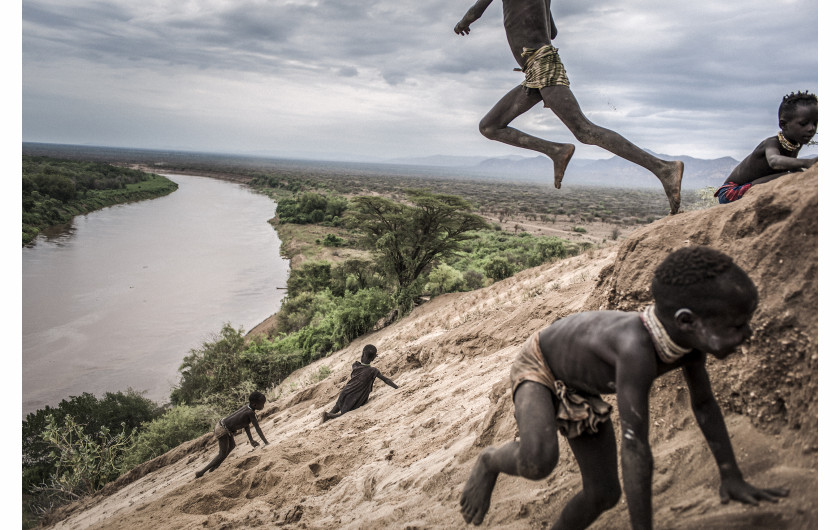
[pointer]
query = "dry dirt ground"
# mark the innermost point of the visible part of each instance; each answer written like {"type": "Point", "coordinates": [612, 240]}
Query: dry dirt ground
{"type": "Point", "coordinates": [401, 461]}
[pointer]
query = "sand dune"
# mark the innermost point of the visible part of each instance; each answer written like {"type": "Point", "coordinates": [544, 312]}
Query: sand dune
{"type": "Point", "coordinates": [401, 460]}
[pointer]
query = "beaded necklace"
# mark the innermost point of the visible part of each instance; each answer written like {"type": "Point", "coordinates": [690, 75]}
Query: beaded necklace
{"type": "Point", "coordinates": [667, 350]}
{"type": "Point", "coordinates": [787, 145]}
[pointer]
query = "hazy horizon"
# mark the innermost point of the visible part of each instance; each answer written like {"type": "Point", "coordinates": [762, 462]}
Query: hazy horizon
{"type": "Point", "coordinates": [375, 80]}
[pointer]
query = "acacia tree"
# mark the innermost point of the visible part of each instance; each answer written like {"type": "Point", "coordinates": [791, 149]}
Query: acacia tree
{"type": "Point", "coordinates": [409, 237]}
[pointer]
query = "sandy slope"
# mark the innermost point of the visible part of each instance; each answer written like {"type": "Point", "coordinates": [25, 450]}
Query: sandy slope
{"type": "Point", "coordinates": [402, 460]}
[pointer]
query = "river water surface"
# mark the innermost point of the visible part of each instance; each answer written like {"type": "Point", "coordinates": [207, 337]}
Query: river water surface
{"type": "Point", "coordinates": [119, 297]}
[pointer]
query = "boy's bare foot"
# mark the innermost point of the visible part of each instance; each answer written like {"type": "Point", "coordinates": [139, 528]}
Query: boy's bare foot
{"type": "Point", "coordinates": [561, 155]}
{"type": "Point", "coordinates": [671, 178]}
{"type": "Point", "coordinates": [199, 474]}
{"type": "Point", "coordinates": [475, 500]}
{"type": "Point", "coordinates": [324, 416]}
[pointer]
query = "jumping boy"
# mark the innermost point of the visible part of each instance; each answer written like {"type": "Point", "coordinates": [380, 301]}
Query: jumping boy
{"type": "Point", "coordinates": [703, 303]}
{"type": "Point", "coordinates": [229, 426]}
{"type": "Point", "coordinates": [530, 29]}
{"type": "Point", "coordinates": [357, 390]}
{"type": "Point", "coordinates": [776, 156]}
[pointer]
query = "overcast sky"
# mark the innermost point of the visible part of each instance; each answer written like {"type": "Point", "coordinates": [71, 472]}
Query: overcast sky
{"type": "Point", "coordinates": [345, 79]}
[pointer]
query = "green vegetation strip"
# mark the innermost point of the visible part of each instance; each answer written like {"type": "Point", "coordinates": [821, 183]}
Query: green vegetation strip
{"type": "Point", "coordinates": [54, 191]}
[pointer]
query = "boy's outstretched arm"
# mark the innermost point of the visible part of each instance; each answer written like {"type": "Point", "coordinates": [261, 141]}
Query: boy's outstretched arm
{"type": "Point", "coordinates": [250, 438]}
{"type": "Point", "coordinates": [779, 162]}
{"type": "Point", "coordinates": [256, 428]}
{"type": "Point", "coordinates": [633, 381]}
{"type": "Point", "coordinates": [386, 380]}
{"type": "Point", "coordinates": [473, 14]}
{"type": "Point", "coordinates": [710, 419]}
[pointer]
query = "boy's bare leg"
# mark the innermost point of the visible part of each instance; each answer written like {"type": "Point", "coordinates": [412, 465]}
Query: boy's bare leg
{"type": "Point", "coordinates": [533, 456]}
{"type": "Point", "coordinates": [515, 103]}
{"type": "Point", "coordinates": [598, 463]}
{"type": "Point", "coordinates": [225, 447]}
{"type": "Point", "coordinates": [564, 104]}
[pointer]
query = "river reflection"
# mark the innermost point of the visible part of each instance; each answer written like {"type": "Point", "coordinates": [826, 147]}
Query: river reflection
{"type": "Point", "coordinates": [119, 297]}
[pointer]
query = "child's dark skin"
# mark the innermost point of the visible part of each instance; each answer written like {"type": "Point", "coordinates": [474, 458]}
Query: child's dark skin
{"type": "Point", "coordinates": [529, 24]}
{"type": "Point", "coordinates": [240, 419]}
{"type": "Point", "coordinates": [770, 160]}
{"type": "Point", "coordinates": [607, 352]}
{"type": "Point", "coordinates": [356, 391]}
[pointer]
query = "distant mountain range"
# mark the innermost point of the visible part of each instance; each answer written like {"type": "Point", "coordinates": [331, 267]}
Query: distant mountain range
{"type": "Point", "coordinates": [611, 172]}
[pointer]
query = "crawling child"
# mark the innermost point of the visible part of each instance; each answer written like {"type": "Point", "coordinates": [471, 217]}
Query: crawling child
{"type": "Point", "coordinates": [357, 390]}
{"type": "Point", "coordinates": [703, 304]}
{"type": "Point", "coordinates": [776, 156]}
{"type": "Point", "coordinates": [229, 426]}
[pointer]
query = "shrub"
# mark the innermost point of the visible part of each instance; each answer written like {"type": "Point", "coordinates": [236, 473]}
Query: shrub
{"type": "Point", "coordinates": [83, 463]}
{"type": "Point", "coordinates": [445, 279]}
{"type": "Point", "coordinates": [311, 207]}
{"type": "Point", "coordinates": [498, 269]}
{"type": "Point", "coordinates": [332, 240]}
{"type": "Point", "coordinates": [112, 411]}
{"type": "Point", "coordinates": [211, 369]}
{"type": "Point", "coordinates": [179, 424]}
{"type": "Point", "coordinates": [473, 279]}
{"type": "Point", "coordinates": [312, 276]}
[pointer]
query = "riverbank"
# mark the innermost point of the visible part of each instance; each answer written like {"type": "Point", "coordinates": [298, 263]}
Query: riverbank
{"type": "Point", "coordinates": [122, 296]}
{"type": "Point", "coordinates": [54, 191]}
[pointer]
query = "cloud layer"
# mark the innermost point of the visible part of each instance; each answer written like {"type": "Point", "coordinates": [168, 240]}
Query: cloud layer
{"type": "Point", "coordinates": [375, 79]}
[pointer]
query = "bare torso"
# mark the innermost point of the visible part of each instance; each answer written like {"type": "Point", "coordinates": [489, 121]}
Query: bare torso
{"type": "Point", "coordinates": [756, 165]}
{"type": "Point", "coordinates": [241, 418]}
{"type": "Point", "coordinates": [585, 350]}
{"type": "Point", "coordinates": [527, 25]}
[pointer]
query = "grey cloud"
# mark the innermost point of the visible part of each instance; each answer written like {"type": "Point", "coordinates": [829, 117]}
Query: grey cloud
{"type": "Point", "coordinates": [348, 71]}
{"type": "Point", "coordinates": [700, 67]}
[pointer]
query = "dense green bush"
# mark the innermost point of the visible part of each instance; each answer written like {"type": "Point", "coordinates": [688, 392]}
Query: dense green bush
{"type": "Point", "coordinates": [445, 279]}
{"type": "Point", "coordinates": [298, 311]}
{"type": "Point", "coordinates": [493, 256]}
{"type": "Point", "coordinates": [312, 277]}
{"type": "Point", "coordinates": [354, 274]}
{"type": "Point", "coordinates": [82, 462]}
{"type": "Point", "coordinates": [498, 268]}
{"type": "Point", "coordinates": [332, 240]}
{"type": "Point", "coordinates": [181, 423]}
{"type": "Point", "coordinates": [310, 207]}
{"type": "Point", "coordinates": [92, 414]}
{"type": "Point", "coordinates": [211, 369]}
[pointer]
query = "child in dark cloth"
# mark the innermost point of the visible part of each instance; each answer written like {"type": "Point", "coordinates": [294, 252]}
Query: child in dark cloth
{"type": "Point", "coordinates": [229, 426]}
{"type": "Point", "coordinates": [357, 390]}
{"type": "Point", "coordinates": [776, 156]}
{"type": "Point", "coordinates": [703, 304]}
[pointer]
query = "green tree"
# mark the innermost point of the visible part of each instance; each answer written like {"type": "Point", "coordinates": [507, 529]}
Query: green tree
{"type": "Point", "coordinates": [409, 237]}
